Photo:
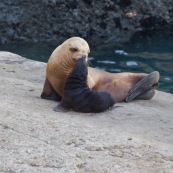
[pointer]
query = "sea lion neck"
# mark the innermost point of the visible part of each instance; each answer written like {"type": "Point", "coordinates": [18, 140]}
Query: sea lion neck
{"type": "Point", "coordinates": [68, 63]}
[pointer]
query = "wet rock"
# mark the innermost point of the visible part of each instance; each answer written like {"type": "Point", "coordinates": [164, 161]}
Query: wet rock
{"type": "Point", "coordinates": [56, 20]}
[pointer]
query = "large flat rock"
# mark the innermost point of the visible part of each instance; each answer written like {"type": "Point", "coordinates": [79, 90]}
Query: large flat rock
{"type": "Point", "coordinates": [134, 137]}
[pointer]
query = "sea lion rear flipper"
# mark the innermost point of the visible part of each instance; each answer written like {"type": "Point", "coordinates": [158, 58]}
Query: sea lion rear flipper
{"type": "Point", "coordinates": [49, 93]}
{"type": "Point", "coordinates": [146, 96]}
{"type": "Point", "coordinates": [62, 107]}
{"type": "Point", "coordinates": [144, 89]}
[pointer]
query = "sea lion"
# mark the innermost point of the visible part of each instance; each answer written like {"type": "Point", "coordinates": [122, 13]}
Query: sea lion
{"type": "Point", "coordinates": [122, 86]}
{"type": "Point", "coordinates": [78, 96]}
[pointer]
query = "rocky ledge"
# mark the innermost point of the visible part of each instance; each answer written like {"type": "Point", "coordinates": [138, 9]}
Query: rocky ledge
{"type": "Point", "coordinates": [131, 137]}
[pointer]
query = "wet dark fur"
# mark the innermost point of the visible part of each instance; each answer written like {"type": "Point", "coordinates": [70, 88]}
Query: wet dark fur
{"type": "Point", "coordinates": [79, 97]}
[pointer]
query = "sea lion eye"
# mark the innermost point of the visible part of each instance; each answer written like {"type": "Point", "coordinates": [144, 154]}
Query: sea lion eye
{"type": "Point", "coordinates": [74, 49]}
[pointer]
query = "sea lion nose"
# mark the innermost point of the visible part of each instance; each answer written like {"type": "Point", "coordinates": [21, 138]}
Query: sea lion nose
{"type": "Point", "coordinates": [84, 56]}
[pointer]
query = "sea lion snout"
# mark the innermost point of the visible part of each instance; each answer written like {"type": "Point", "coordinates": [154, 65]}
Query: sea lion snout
{"type": "Point", "coordinates": [82, 56]}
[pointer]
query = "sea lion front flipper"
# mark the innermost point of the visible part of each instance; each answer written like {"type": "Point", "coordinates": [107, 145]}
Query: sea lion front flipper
{"type": "Point", "coordinates": [79, 97]}
{"type": "Point", "coordinates": [62, 107]}
{"type": "Point", "coordinates": [144, 89]}
{"type": "Point", "coordinates": [49, 93]}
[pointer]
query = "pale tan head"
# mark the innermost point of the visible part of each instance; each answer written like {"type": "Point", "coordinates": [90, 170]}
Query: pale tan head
{"type": "Point", "coordinates": [76, 47]}
{"type": "Point", "coordinates": [63, 60]}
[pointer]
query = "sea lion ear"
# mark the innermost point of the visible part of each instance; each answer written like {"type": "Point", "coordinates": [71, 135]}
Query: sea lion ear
{"type": "Point", "coordinates": [73, 49]}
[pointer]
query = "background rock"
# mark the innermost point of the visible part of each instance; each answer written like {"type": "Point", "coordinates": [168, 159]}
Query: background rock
{"type": "Point", "coordinates": [132, 137]}
{"type": "Point", "coordinates": [103, 21]}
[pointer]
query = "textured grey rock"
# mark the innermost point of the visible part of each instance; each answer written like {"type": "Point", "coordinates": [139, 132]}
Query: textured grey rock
{"type": "Point", "coordinates": [134, 137]}
{"type": "Point", "coordinates": [57, 20]}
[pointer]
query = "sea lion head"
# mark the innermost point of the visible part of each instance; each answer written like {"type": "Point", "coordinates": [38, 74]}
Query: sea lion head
{"type": "Point", "coordinates": [63, 60]}
{"type": "Point", "coordinates": [76, 48]}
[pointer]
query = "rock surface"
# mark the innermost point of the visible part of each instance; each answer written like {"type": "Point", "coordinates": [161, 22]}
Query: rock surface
{"type": "Point", "coordinates": [132, 137]}
{"type": "Point", "coordinates": [57, 20]}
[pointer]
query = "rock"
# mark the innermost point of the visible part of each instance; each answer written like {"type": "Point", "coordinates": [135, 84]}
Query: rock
{"type": "Point", "coordinates": [131, 137]}
{"type": "Point", "coordinates": [96, 21]}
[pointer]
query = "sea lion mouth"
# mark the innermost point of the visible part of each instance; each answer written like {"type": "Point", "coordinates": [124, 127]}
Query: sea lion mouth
{"type": "Point", "coordinates": [86, 59]}
{"type": "Point", "coordinates": [79, 56]}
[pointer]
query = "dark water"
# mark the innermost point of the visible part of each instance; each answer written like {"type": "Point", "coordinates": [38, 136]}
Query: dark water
{"type": "Point", "coordinates": [145, 52]}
